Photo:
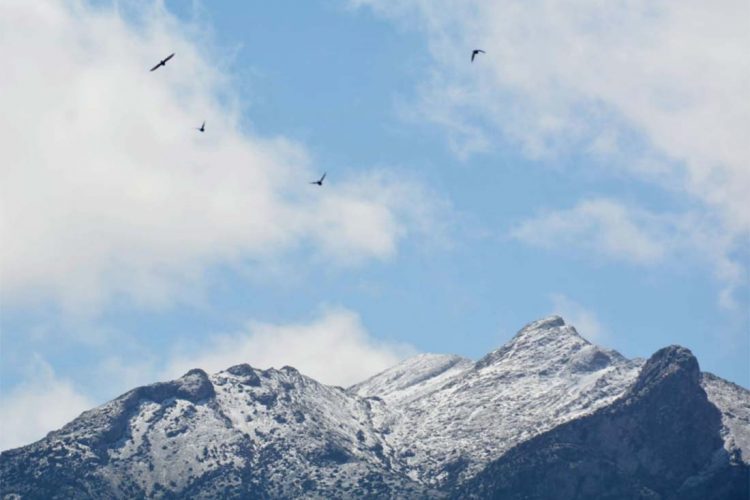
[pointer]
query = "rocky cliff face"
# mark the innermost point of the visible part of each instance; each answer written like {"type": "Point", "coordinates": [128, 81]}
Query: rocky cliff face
{"type": "Point", "coordinates": [662, 439]}
{"type": "Point", "coordinates": [548, 415]}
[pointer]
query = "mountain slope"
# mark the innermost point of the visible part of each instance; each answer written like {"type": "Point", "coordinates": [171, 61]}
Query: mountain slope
{"type": "Point", "coordinates": [275, 433]}
{"type": "Point", "coordinates": [734, 403]}
{"type": "Point", "coordinates": [413, 378]}
{"type": "Point", "coordinates": [461, 419]}
{"type": "Point", "coordinates": [661, 440]}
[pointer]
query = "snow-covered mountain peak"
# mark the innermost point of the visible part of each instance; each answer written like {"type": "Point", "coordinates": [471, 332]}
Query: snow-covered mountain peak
{"type": "Point", "coordinates": [457, 418]}
{"type": "Point", "coordinates": [544, 330]}
{"type": "Point", "coordinates": [242, 373]}
{"type": "Point", "coordinates": [549, 322]}
{"type": "Point", "coordinates": [194, 385]}
{"type": "Point", "coordinates": [548, 344]}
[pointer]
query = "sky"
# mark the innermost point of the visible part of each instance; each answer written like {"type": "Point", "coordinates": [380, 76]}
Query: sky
{"type": "Point", "coordinates": [593, 163]}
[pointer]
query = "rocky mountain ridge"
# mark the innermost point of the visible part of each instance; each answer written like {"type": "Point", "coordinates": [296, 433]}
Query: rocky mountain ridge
{"type": "Point", "coordinates": [661, 440]}
{"type": "Point", "coordinates": [546, 375]}
{"type": "Point", "coordinates": [432, 426]}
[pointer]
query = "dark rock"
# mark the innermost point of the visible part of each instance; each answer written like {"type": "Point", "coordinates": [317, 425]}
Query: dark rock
{"type": "Point", "coordinates": [245, 374]}
{"type": "Point", "coordinates": [661, 440]}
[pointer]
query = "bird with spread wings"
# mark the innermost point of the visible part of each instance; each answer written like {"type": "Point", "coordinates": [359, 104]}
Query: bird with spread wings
{"type": "Point", "coordinates": [475, 52]}
{"type": "Point", "coordinates": [319, 182]}
{"type": "Point", "coordinates": [163, 62]}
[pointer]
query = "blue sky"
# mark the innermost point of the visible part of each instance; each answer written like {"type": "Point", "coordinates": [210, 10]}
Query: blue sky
{"type": "Point", "coordinates": [580, 167]}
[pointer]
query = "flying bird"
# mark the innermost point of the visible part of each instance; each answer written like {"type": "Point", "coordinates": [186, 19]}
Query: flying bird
{"type": "Point", "coordinates": [320, 181]}
{"type": "Point", "coordinates": [202, 128]}
{"type": "Point", "coordinates": [475, 52]}
{"type": "Point", "coordinates": [163, 62]}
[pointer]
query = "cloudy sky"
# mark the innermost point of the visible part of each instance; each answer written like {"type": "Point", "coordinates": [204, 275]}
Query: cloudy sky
{"type": "Point", "coordinates": [594, 163]}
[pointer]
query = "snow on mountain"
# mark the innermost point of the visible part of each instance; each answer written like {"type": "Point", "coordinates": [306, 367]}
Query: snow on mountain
{"type": "Point", "coordinates": [274, 432]}
{"type": "Point", "coordinates": [419, 429]}
{"type": "Point", "coordinates": [546, 375]}
{"type": "Point", "coordinates": [413, 378]}
{"type": "Point", "coordinates": [734, 403]}
{"type": "Point", "coordinates": [661, 440]}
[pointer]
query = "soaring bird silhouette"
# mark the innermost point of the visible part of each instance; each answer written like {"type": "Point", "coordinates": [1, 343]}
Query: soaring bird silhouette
{"type": "Point", "coordinates": [202, 128]}
{"type": "Point", "coordinates": [475, 52]}
{"type": "Point", "coordinates": [319, 182]}
{"type": "Point", "coordinates": [163, 62]}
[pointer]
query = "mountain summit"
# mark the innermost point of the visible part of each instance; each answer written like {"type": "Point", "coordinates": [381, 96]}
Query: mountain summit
{"type": "Point", "coordinates": [548, 414]}
{"type": "Point", "coordinates": [461, 419]}
{"type": "Point", "coordinates": [661, 440]}
{"type": "Point", "coordinates": [550, 342]}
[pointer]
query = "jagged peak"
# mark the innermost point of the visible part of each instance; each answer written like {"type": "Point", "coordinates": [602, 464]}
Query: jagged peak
{"type": "Point", "coordinates": [553, 321]}
{"type": "Point", "coordinates": [240, 370]}
{"type": "Point", "coordinates": [551, 326]}
{"type": "Point", "coordinates": [541, 335]}
{"type": "Point", "coordinates": [194, 386]}
{"type": "Point", "coordinates": [674, 364]}
{"type": "Point", "coordinates": [244, 374]}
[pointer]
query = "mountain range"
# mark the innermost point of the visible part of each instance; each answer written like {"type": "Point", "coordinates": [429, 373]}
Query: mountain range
{"type": "Point", "coordinates": [547, 415]}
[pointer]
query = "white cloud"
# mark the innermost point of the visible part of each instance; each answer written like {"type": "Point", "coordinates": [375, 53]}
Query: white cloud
{"type": "Point", "coordinates": [334, 349]}
{"type": "Point", "coordinates": [558, 75]}
{"type": "Point", "coordinates": [600, 225]}
{"type": "Point", "coordinates": [584, 320]}
{"type": "Point", "coordinates": [614, 230]}
{"type": "Point", "coordinates": [659, 90]}
{"type": "Point", "coordinates": [41, 404]}
{"type": "Point", "coordinates": [108, 191]}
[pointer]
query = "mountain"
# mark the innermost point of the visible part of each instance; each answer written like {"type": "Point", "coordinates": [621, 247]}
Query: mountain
{"type": "Point", "coordinates": [452, 424]}
{"type": "Point", "coordinates": [275, 433]}
{"type": "Point", "coordinates": [661, 440]}
{"type": "Point", "coordinates": [433, 426]}
{"type": "Point", "coordinates": [734, 404]}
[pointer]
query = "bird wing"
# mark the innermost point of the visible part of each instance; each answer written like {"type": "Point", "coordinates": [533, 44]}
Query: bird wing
{"type": "Point", "coordinates": [170, 56]}
{"type": "Point", "coordinates": [480, 50]}
{"type": "Point", "coordinates": [324, 176]}
{"type": "Point", "coordinates": [473, 55]}
{"type": "Point", "coordinates": [156, 67]}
